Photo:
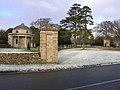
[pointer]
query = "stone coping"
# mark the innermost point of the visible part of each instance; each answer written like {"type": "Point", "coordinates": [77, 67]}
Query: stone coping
{"type": "Point", "coordinates": [19, 52]}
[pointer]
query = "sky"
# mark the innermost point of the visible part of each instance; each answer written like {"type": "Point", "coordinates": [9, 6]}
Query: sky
{"type": "Point", "coordinates": [15, 12]}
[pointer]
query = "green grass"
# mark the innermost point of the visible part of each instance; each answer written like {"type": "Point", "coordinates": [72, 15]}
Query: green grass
{"type": "Point", "coordinates": [31, 50]}
{"type": "Point", "coordinates": [112, 49]}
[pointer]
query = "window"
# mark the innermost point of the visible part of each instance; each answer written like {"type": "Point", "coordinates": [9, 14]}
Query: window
{"type": "Point", "coordinates": [16, 41]}
{"type": "Point", "coordinates": [17, 31]}
{"type": "Point", "coordinates": [26, 31]}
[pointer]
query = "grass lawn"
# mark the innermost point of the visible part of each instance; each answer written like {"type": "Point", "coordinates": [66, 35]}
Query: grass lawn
{"type": "Point", "coordinates": [72, 58]}
{"type": "Point", "coordinates": [31, 50]}
{"type": "Point", "coordinates": [112, 49]}
{"type": "Point", "coordinates": [18, 50]}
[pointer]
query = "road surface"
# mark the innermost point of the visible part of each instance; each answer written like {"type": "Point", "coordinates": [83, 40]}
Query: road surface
{"type": "Point", "coordinates": [96, 78]}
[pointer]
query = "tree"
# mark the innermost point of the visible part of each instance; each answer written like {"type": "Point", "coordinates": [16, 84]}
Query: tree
{"type": "Point", "coordinates": [3, 35]}
{"type": "Point", "coordinates": [85, 37]}
{"type": "Point", "coordinates": [41, 22]}
{"type": "Point", "coordinates": [77, 21]}
{"type": "Point", "coordinates": [36, 27]}
{"type": "Point", "coordinates": [71, 22]}
{"type": "Point", "coordinates": [86, 16]}
{"type": "Point", "coordinates": [116, 29]}
{"type": "Point", "coordinates": [110, 30]}
{"type": "Point", "coordinates": [36, 38]}
{"type": "Point", "coordinates": [86, 19]}
{"type": "Point", "coordinates": [8, 31]}
{"type": "Point", "coordinates": [106, 28]}
{"type": "Point", "coordinates": [64, 37]}
{"type": "Point", "coordinates": [98, 41]}
{"type": "Point", "coordinates": [3, 39]}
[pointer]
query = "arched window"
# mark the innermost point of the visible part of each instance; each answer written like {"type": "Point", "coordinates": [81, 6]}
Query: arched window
{"type": "Point", "coordinates": [26, 31]}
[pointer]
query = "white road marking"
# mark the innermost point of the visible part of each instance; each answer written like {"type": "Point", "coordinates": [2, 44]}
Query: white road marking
{"type": "Point", "coordinates": [96, 84]}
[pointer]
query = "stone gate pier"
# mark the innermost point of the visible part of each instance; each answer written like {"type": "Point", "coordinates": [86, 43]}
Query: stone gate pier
{"type": "Point", "coordinates": [49, 44]}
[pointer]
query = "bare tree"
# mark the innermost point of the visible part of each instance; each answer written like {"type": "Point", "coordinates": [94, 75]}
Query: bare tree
{"type": "Point", "coordinates": [110, 31]}
{"type": "Point", "coordinates": [41, 22]}
{"type": "Point", "coordinates": [105, 28]}
{"type": "Point", "coordinates": [116, 29]}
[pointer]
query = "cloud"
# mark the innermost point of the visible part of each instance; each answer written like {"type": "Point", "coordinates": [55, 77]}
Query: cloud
{"type": "Point", "coordinates": [27, 11]}
{"type": "Point", "coordinates": [48, 6]}
{"type": "Point", "coordinates": [18, 11]}
{"type": "Point", "coordinates": [29, 2]}
{"type": "Point", "coordinates": [45, 8]}
{"type": "Point", "coordinates": [41, 4]}
{"type": "Point", "coordinates": [110, 11]}
{"type": "Point", "coordinates": [102, 9]}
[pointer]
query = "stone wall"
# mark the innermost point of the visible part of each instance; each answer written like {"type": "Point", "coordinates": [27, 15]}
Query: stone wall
{"type": "Point", "coordinates": [20, 58]}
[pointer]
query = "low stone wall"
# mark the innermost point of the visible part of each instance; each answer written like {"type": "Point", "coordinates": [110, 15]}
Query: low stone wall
{"type": "Point", "coordinates": [20, 58]}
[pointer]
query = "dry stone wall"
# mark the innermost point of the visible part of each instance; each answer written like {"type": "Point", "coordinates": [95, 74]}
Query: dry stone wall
{"type": "Point", "coordinates": [20, 58]}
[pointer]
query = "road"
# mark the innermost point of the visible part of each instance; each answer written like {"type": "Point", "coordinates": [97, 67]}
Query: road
{"type": "Point", "coordinates": [96, 78]}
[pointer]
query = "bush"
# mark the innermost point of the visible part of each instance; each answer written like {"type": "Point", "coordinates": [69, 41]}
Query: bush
{"type": "Point", "coordinates": [4, 46]}
{"type": "Point", "coordinates": [3, 42]}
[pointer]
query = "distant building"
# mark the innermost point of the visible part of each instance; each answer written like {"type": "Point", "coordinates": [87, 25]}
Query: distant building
{"type": "Point", "coordinates": [117, 43]}
{"type": "Point", "coordinates": [20, 37]}
{"type": "Point", "coordinates": [106, 42]}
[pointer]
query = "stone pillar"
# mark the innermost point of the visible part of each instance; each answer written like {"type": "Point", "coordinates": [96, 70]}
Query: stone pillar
{"type": "Point", "coordinates": [12, 43]}
{"type": "Point", "coordinates": [18, 45]}
{"type": "Point", "coordinates": [32, 44]}
{"type": "Point", "coordinates": [25, 41]}
{"type": "Point", "coordinates": [49, 44]}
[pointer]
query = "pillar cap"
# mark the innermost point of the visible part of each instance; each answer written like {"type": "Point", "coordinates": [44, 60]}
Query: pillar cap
{"type": "Point", "coordinates": [49, 28]}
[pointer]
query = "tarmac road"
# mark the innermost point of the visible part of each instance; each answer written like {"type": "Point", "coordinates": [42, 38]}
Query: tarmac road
{"type": "Point", "coordinates": [96, 78]}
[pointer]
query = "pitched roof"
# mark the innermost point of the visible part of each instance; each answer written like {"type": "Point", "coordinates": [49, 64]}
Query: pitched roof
{"type": "Point", "coordinates": [22, 26]}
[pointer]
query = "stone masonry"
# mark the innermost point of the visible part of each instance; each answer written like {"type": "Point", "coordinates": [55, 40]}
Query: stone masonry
{"type": "Point", "coordinates": [48, 50]}
{"type": "Point", "coordinates": [20, 37]}
{"type": "Point", "coordinates": [20, 58]}
{"type": "Point", "coordinates": [49, 44]}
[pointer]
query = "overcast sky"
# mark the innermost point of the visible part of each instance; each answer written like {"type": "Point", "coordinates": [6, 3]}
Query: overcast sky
{"type": "Point", "coordinates": [15, 12]}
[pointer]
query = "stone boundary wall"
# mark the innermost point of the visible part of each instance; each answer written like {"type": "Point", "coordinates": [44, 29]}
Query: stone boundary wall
{"type": "Point", "coordinates": [20, 58]}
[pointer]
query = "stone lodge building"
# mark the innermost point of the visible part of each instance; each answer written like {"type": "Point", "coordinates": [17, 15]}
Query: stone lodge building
{"type": "Point", "coordinates": [20, 37]}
